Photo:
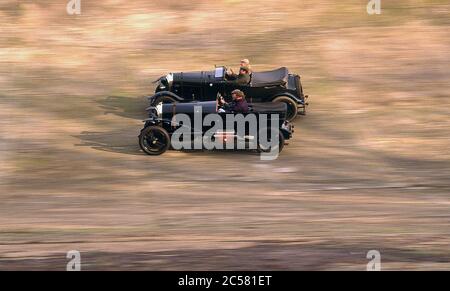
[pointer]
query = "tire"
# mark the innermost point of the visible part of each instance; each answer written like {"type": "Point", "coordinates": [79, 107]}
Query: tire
{"type": "Point", "coordinates": [280, 146]}
{"type": "Point", "coordinates": [154, 140]}
{"type": "Point", "coordinates": [165, 99]}
{"type": "Point", "coordinates": [292, 109]}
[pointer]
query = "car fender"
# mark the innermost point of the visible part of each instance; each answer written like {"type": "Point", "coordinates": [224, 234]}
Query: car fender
{"type": "Point", "coordinates": [163, 93]}
{"type": "Point", "coordinates": [287, 94]}
{"type": "Point", "coordinates": [156, 121]}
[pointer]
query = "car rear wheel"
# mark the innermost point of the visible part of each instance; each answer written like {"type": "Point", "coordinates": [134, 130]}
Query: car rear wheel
{"type": "Point", "coordinates": [154, 140]}
{"type": "Point", "coordinates": [292, 109]}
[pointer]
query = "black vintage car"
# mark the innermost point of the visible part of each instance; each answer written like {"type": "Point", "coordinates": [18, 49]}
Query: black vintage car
{"type": "Point", "coordinates": [270, 86]}
{"type": "Point", "coordinates": [156, 136]}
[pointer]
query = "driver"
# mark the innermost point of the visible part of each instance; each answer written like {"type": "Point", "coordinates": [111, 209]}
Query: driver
{"type": "Point", "coordinates": [242, 79]}
{"type": "Point", "coordinates": [238, 105]}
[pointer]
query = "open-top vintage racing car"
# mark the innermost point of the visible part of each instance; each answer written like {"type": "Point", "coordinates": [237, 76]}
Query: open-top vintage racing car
{"type": "Point", "coordinates": [270, 86]}
{"type": "Point", "coordinates": [155, 138]}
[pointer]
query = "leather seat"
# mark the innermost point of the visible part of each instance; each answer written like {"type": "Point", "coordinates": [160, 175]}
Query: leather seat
{"type": "Point", "coordinates": [270, 78]}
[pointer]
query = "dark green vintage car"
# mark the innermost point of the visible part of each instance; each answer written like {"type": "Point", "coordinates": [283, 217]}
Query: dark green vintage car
{"type": "Point", "coordinates": [162, 124]}
{"type": "Point", "coordinates": [269, 86]}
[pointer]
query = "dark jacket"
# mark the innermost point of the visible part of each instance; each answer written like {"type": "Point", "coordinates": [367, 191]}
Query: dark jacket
{"type": "Point", "coordinates": [238, 106]}
{"type": "Point", "coordinates": [241, 79]}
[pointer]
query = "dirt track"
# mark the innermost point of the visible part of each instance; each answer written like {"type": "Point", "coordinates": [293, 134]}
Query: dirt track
{"type": "Point", "coordinates": [368, 167]}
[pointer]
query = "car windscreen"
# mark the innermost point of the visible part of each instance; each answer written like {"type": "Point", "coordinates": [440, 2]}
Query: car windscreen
{"type": "Point", "coordinates": [218, 73]}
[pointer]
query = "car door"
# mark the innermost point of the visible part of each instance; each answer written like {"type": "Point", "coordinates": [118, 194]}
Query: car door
{"type": "Point", "coordinates": [210, 90]}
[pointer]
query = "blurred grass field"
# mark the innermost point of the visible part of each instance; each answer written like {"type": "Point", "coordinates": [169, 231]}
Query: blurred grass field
{"type": "Point", "coordinates": [368, 167]}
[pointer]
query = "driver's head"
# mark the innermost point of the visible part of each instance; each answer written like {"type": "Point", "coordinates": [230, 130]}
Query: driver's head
{"type": "Point", "coordinates": [245, 63]}
{"type": "Point", "coordinates": [237, 94]}
{"type": "Point", "coordinates": [244, 70]}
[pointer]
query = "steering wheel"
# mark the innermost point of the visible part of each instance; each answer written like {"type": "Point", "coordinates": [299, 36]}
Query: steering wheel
{"type": "Point", "coordinates": [218, 105]}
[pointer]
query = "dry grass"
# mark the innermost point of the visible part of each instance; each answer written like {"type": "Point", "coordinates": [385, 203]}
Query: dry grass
{"type": "Point", "coordinates": [367, 169]}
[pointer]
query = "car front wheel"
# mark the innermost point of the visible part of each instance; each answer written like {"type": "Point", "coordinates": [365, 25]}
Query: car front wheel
{"type": "Point", "coordinates": [154, 140]}
{"type": "Point", "coordinates": [292, 109]}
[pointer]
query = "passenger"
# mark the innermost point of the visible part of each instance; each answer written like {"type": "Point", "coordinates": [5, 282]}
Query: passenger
{"type": "Point", "coordinates": [238, 105]}
{"type": "Point", "coordinates": [242, 79]}
{"type": "Point", "coordinates": [244, 63]}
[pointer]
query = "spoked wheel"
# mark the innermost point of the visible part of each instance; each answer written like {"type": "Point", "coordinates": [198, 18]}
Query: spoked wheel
{"type": "Point", "coordinates": [154, 140]}
{"type": "Point", "coordinates": [291, 106]}
{"type": "Point", "coordinates": [263, 147]}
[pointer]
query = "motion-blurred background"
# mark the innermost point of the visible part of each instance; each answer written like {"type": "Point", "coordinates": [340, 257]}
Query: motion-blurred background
{"type": "Point", "coordinates": [368, 167]}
